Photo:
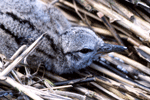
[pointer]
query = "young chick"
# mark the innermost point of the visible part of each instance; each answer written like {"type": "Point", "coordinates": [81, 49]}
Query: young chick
{"type": "Point", "coordinates": [64, 49]}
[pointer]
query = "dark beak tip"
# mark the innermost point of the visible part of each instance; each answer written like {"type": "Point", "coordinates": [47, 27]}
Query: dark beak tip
{"type": "Point", "coordinates": [120, 48]}
{"type": "Point", "coordinates": [123, 48]}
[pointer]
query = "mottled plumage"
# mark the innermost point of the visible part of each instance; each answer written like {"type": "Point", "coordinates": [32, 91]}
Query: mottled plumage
{"type": "Point", "coordinates": [65, 49]}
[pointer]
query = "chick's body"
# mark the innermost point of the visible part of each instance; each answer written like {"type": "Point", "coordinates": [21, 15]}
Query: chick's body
{"type": "Point", "coordinates": [63, 50]}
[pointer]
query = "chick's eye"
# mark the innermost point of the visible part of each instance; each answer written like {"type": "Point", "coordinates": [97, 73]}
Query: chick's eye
{"type": "Point", "coordinates": [86, 50]}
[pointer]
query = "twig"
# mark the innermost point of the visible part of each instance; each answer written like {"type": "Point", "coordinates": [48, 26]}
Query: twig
{"type": "Point", "coordinates": [144, 77]}
{"type": "Point", "coordinates": [85, 5]}
{"type": "Point", "coordinates": [21, 88]}
{"type": "Point", "coordinates": [57, 87]}
{"type": "Point", "coordinates": [113, 69]}
{"type": "Point", "coordinates": [113, 75]}
{"type": "Point", "coordinates": [119, 93]}
{"type": "Point", "coordinates": [141, 23]}
{"type": "Point", "coordinates": [143, 15]}
{"type": "Point", "coordinates": [121, 20]}
{"type": "Point", "coordinates": [53, 2]}
{"type": "Point", "coordinates": [116, 7]}
{"type": "Point", "coordinates": [110, 28]}
{"type": "Point", "coordinates": [46, 94]}
{"type": "Point", "coordinates": [76, 9]}
{"type": "Point", "coordinates": [135, 64]}
{"type": "Point", "coordinates": [79, 9]}
{"type": "Point", "coordinates": [70, 94]}
{"type": "Point", "coordinates": [126, 69]}
{"type": "Point", "coordinates": [16, 54]}
{"type": "Point", "coordinates": [142, 47]}
{"type": "Point", "coordinates": [106, 91]}
{"type": "Point", "coordinates": [75, 81]}
{"type": "Point", "coordinates": [22, 56]}
{"type": "Point", "coordinates": [123, 87]}
{"type": "Point", "coordinates": [78, 88]}
{"type": "Point", "coordinates": [12, 58]}
{"type": "Point", "coordinates": [62, 87]}
{"type": "Point", "coordinates": [89, 93]}
{"type": "Point", "coordinates": [126, 32]}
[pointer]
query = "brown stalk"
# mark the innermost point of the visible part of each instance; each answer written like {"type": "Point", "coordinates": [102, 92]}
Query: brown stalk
{"type": "Point", "coordinates": [121, 20]}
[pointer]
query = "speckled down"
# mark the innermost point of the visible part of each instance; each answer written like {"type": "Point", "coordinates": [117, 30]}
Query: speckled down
{"type": "Point", "coordinates": [64, 50]}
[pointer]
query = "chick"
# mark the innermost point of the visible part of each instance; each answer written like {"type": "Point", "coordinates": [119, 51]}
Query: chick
{"type": "Point", "coordinates": [64, 49]}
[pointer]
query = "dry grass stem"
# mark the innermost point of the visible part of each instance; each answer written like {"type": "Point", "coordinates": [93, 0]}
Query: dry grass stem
{"type": "Point", "coordinates": [115, 76]}
{"type": "Point", "coordinates": [129, 61]}
{"type": "Point", "coordinates": [113, 16]}
{"type": "Point", "coordinates": [21, 57]}
{"type": "Point", "coordinates": [21, 88]}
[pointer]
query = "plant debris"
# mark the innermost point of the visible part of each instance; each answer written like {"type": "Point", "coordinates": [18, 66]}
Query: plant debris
{"type": "Point", "coordinates": [112, 76]}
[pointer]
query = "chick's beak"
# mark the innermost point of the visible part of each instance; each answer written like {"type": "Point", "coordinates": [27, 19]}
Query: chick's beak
{"type": "Point", "coordinates": [111, 48]}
